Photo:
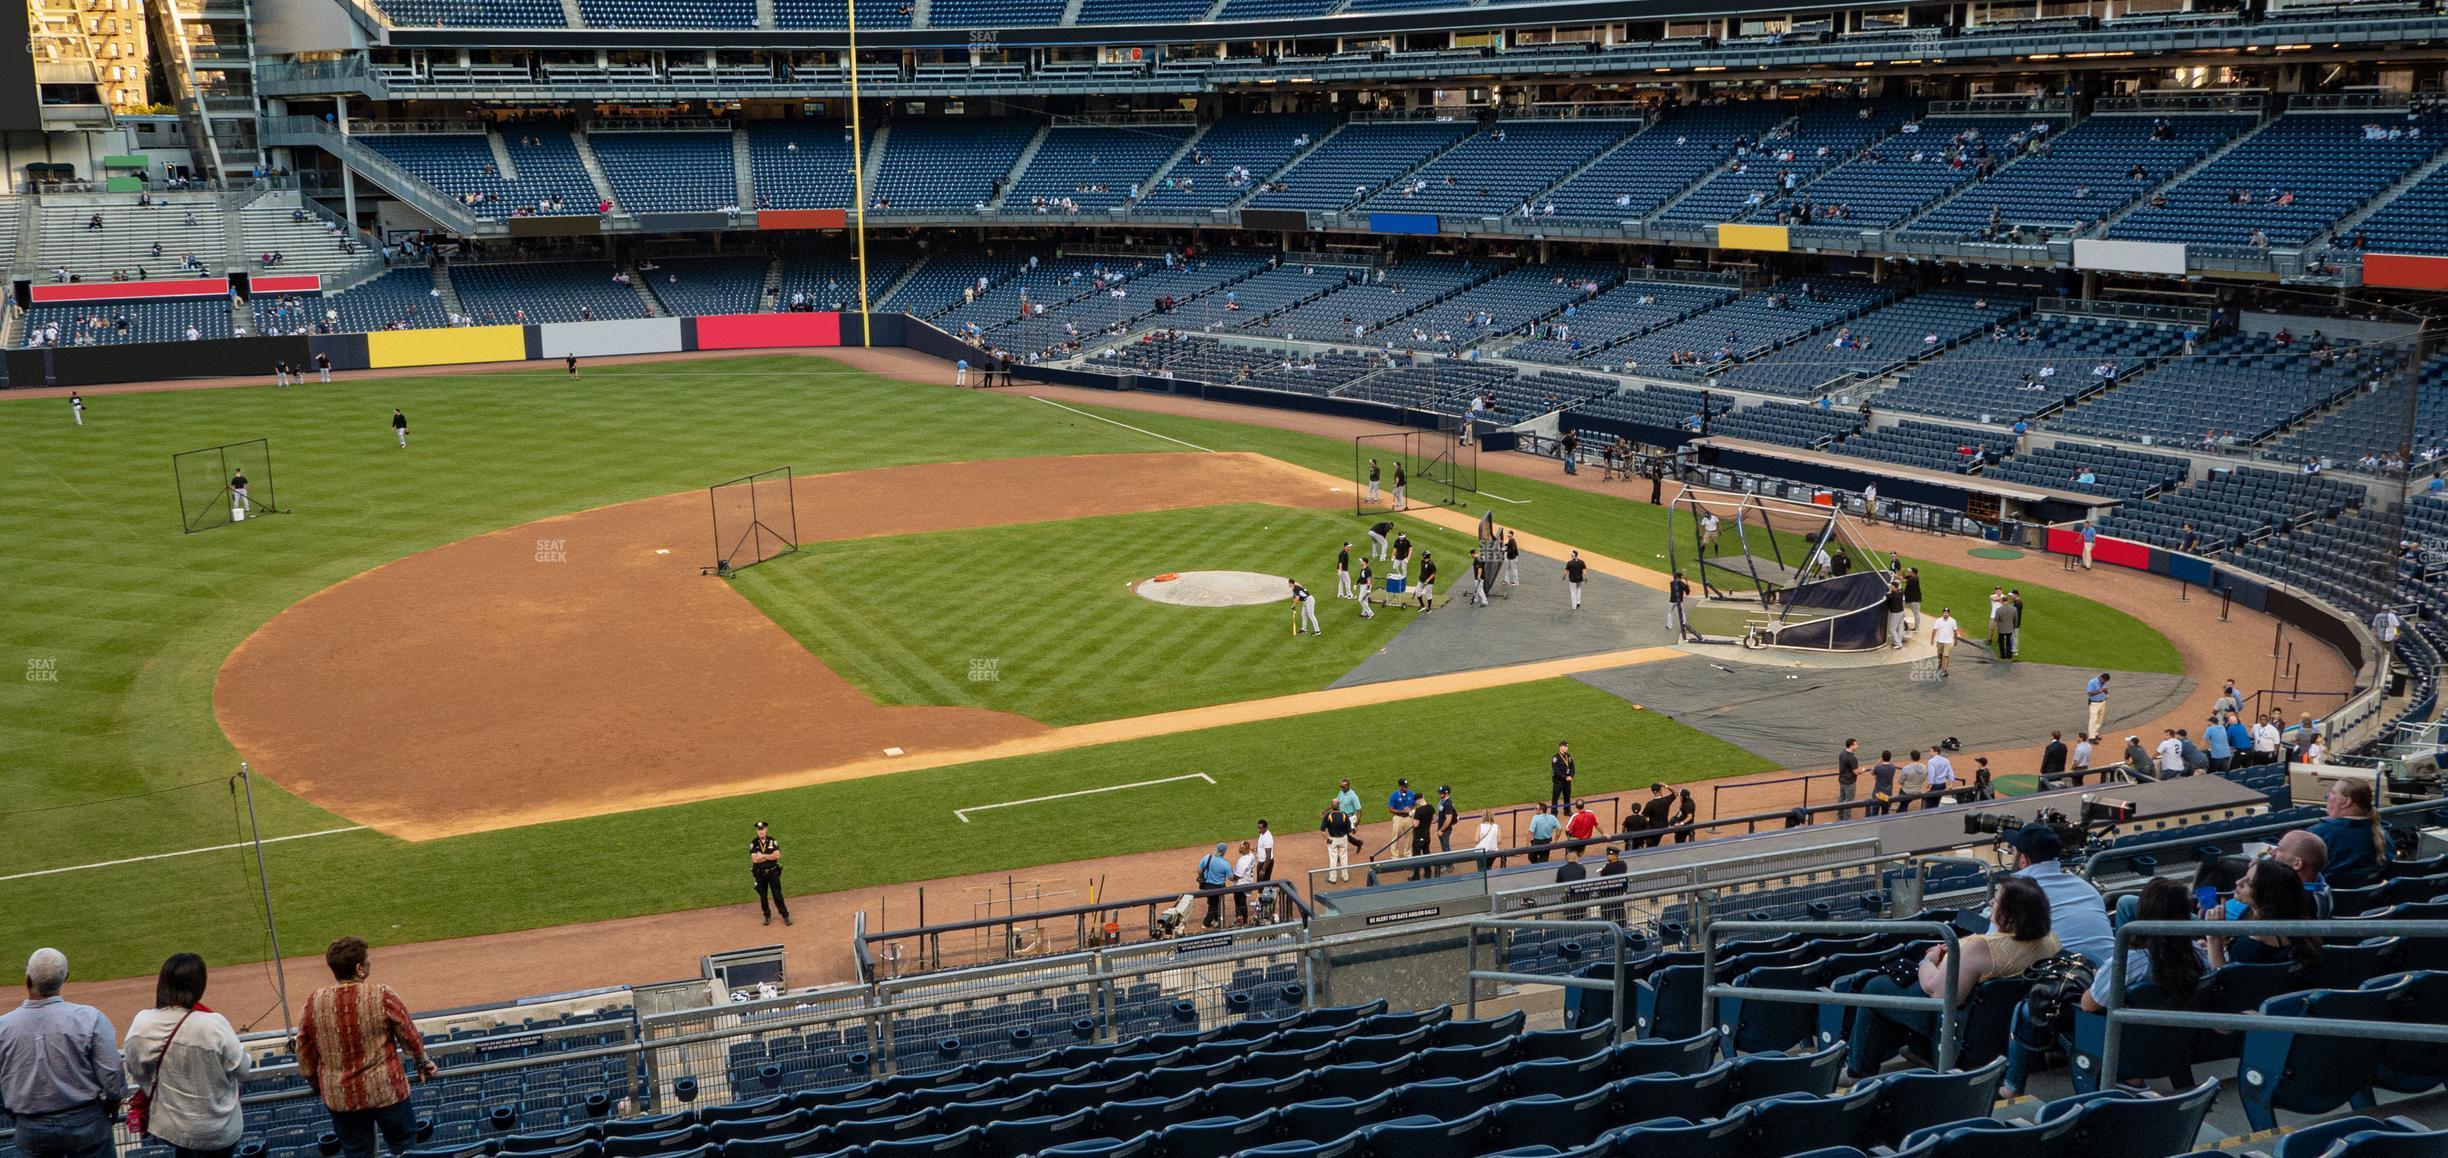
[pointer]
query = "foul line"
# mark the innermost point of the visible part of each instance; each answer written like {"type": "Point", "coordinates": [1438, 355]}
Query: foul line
{"type": "Point", "coordinates": [1123, 425]}
{"type": "Point", "coordinates": [1502, 499]}
{"type": "Point", "coordinates": [963, 813]}
{"type": "Point", "coordinates": [74, 868]}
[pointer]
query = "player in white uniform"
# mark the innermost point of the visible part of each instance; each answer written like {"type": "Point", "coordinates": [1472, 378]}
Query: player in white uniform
{"type": "Point", "coordinates": [1343, 584]}
{"type": "Point", "coordinates": [1372, 486]}
{"type": "Point", "coordinates": [399, 426]}
{"type": "Point", "coordinates": [238, 494]}
{"type": "Point", "coordinates": [1368, 586]}
{"type": "Point", "coordinates": [76, 406]}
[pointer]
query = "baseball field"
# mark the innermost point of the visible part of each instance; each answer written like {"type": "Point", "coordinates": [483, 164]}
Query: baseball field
{"type": "Point", "coordinates": [485, 689]}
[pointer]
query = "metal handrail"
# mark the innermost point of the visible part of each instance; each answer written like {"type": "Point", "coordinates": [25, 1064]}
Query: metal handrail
{"type": "Point", "coordinates": [1950, 1014]}
{"type": "Point", "coordinates": [1614, 986]}
{"type": "Point", "coordinates": [2120, 1015]}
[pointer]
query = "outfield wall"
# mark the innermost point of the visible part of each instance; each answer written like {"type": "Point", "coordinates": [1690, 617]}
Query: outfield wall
{"type": "Point", "coordinates": [462, 346]}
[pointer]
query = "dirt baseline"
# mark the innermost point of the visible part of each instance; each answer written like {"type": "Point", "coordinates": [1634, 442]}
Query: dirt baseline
{"type": "Point", "coordinates": [581, 665]}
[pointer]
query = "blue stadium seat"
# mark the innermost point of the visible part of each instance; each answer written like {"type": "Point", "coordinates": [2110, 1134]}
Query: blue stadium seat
{"type": "Point", "coordinates": [1427, 1136]}
{"type": "Point", "coordinates": [2310, 1074]}
{"type": "Point", "coordinates": [1788, 1123]}
{"type": "Point", "coordinates": [1564, 1123]}
{"type": "Point", "coordinates": [1917, 1098]}
{"type": "Point", "coordinates": [1726, 1137]}
{"type": "Point", "coordinates": [1216, 1137]}
{"type": "Point", "coordinates": [2132, 1124]}
{"type": "Point", "coordinates": [1987, 1138]}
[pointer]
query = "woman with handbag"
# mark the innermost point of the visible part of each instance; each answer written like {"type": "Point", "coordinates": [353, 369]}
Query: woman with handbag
{"type": "Point", "coordinates": [184, 1064]}
{"type": "Point", "coordinates": [2019, 937]}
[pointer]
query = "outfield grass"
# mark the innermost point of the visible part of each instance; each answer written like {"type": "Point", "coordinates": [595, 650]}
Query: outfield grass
{"type": "Point", "coordinates": [1050, 605]}
{"type": "Point", "coordinates": [863, 833]}
{"type": "Point", "coordinates": [2058, 626]}
{"type": "Point", "coordinates": [119, 755]}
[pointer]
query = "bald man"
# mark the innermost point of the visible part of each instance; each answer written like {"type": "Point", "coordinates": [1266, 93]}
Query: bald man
{"type": "Point", "coordinates": [2309, 857]}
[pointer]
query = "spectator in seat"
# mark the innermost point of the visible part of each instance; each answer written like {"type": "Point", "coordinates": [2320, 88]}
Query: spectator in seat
{"type": "Point", "coordinates": [2270, 891]}
{"type": "Point", "coordinates": [190, 1062]}
{"type": "Point", "coordinates": [2304, 852]}
{"type": "Point", "coordinates": [2356, 843]}
{"type": "Point", "coordinates": [2020, 937]}
{"type": "Point", "coordinates": [2174, 964]}
{"type": "Point", "coordinates": [2077, 914]}
{"type": "Point", "coordinates": [60, 1073]}
{"type": "Point", "coordinates": [347, 1036]}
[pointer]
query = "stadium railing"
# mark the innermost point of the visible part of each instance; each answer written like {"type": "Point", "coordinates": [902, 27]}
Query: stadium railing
{"type": "Point", "coordinates": [1073, 929]}
{"type": "Point", "coordinates": [1949, 1012]}
{"type": "Point", "coordinates": [1614, 986]}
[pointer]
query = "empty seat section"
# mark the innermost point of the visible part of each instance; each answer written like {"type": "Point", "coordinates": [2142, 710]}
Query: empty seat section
{"type": "Point", "coordinates": [1358, 160]}
{"type": "Point", "coordinates": [1927, 445]}
{"type": "Point", "coordinates": [1682, 147]}
{"type": "Point", "coordinates": [1587, 329]}
{"type": "Point", "coordinates": [1230, 159]}
{"type": "Point", "coordinates": [2121, 471]}
{"type": "Point", "coordinates": [2294, 178]}
{"type": "Point", "coordinates": [1822, 136]}
{"type": "Point", "coordinates": [699, 286]}
{"type": "Point", "coordinates": [461, 166]}
{"type": "Point", "coordinates": [476, 13]}
{"type": "Point", "coordinates": [668, 13]}
{"type": "Point", "coordinates": [946, 162]}
{"type": "Point", "coordinates": [1898, 177]}
{"type": "Point", "coordinates": [2021, 369]}
{"type": "Point", "coordinates": [2240, 388]}
{"type": "Point", "coordinates": [668, 172]}
{"type": "Point", "coordinates": [1493, 172]}
{"type": "Point", "coordinates": [2231, 507]}
{"type": "Point", "coordinates": [1365, 308]}
{"type": "Point", "coordinates": [2084, 173]}
{"type": "Point", "coordinates": [1874, 343]}
{"type": "Point", "coordinates": [801, 164]}
{"type": "Point", "coordinates": [400, 299]}
{"type": "Point", "coordinates": [565, 291]}
{"type": "Point", "coordinates": [1092, 167]}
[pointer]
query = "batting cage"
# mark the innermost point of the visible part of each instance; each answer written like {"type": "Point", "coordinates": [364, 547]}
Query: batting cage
{"type": "Point", "coordinates": [755, 518]}
{"type": "Point", "coordinates": [220, 485]}
{"type": "Point", "coordinates": [1773, 572]}
{"type": "Point", "coordinates": [1434, 468]}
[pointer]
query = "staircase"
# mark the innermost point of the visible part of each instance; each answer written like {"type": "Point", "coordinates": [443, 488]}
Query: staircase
{"type": "Point", "coordinates": [1583, 167]}
{"type": "Point", "coordinates": [1669, 203]}
{"type": "Point", "coordinates": [501, 156]}
{"type": "Point", "coordinates": [2346, 225]}
{"type": "Point", "coordinates": [1406, 174]}
{"type": "Point", "coordinates": [922, 13]}
{"type": "Point", "coordinates": [876, 302]}
{"type": "Point", "coordinates": [2181, 176]}
{"type": "Point", "coordinates": [450, 292]}
{"type": "Point", "coordinates": [645, 293]}
{"type": "Point", "coordinates": [875, 163]}
{"type": "Point", "coordinates": [764, 15]}
{"type": "Point", "coordinates": [1028, 153]}
{"type": "Point", "coordinates": [570, 12]}
{"type": "Point", "coordinates": [1914, 218]}
{"type": "Point", "coordinates": [1071, 11]}
{"type": "Point", "coordinates": [743, 170]}
{"type": "Point", "coordinates": [1286, 167]}
{"type": "Point", "coordinates": [1156, 179]}
{"type": "Point", "coordinates": [771, 293]}
{"type": "Point", "coordinates": [594, 168]}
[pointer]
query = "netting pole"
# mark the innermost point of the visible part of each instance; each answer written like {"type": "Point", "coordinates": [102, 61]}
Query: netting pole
{"type": "Point", "coordinates": [280, 975]}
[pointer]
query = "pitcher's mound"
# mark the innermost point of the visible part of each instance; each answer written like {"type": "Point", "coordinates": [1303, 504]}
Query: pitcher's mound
{"type": "Point", "coordinates": [1214, 588]}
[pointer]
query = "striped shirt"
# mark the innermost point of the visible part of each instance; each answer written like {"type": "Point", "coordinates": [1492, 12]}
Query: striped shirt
{"type": "Point", "coordinates": [345, 1047]}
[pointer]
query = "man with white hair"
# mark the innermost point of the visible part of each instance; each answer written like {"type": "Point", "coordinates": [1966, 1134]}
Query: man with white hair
{"type": "Point", "coordinates": [60, 1068]}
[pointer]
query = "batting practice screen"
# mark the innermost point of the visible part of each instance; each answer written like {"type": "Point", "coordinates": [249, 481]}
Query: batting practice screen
{"type": "Point", "coordinates": [207, 480]}
{"type": "Point", "coordinates": [1435, 467]}
{"type": "Point", "coordinates": [755, 519]}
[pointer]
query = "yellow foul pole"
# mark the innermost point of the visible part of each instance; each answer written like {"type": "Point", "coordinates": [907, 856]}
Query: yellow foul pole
{"type": "Point", "coordinates": [858, 177]}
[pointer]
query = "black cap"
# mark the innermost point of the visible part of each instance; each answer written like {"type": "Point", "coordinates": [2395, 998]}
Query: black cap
{"type": "Point", "coordinates": [760, 824]}
{"type": "Point", "coordinates": [1444, 790]}
{"type": "Point", "coordinates": [2037, 841]}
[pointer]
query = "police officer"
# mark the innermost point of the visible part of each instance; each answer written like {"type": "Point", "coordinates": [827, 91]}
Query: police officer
{"type": "Point", "coordinates": [765, 864]}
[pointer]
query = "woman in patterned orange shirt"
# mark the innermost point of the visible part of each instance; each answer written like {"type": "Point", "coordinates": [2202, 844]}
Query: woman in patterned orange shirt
{"type": "Point", "coordinates": [346, 1053]}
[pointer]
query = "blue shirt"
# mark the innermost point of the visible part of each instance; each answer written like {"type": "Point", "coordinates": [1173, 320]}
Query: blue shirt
{"type": "Point", "coordinates": [2090, 533]}
{"type": "Point", "coordinates": [2352, 864]}
{"type": "Point", "coordinates": [1544, 826]}
{"type": "Point", "coordinates": [2076, 913]}
{"type": "Point", "coordinates": [2215, 739]}
{"type": "Point", "coordinates": [2097, 691]}
{"type": "Point", "coordinates": [57, 1055]}
{"type": "Point", "coordinates": [1214, 870]}
{"type": "Point", "coordinates": [1349, 802]}
{"type": "Point", "coordinates": [1402, 800]}
{"type": "Point", "coordinates": [2239, 738]}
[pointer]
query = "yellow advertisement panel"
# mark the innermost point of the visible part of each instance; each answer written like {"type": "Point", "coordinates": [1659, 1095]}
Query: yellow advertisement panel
{"type": "Point", "coordinates": [446, 347]}
{"type": "Point", "coordinates": [1766, 237]}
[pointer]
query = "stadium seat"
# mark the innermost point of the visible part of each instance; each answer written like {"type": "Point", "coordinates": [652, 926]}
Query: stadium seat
{"type": "Point", "coordinates": [1767, 1075]}
{"type": "Point", "coordinates": [2364, 1137]}
{"type": "Point", "coordinates": [1339, 1148]}
{"type": "Point", "coordinates": [1118, 1119]}
{"type": "Point", "coordinates": [962, 1115]}
{"type": "Point", "coordinates": [1216, 1137]}
{"type": "Point", "coordinates": [1695, 1097]}
{"type": "Point", "coordinates": [1138, 1146]}
{"type": "Point", "coordinates": [1788, 1123]}
{"type": "Point", "coordinates": [1917, 1098]}
{"type": "Point", "coordinates": [964, 1144]}
{"type": "Point", "coordinates": [1726, 1137]}
{"type": "Point", "coordinates": [1357, 1081]}
{"type": "Point", "coordinates": [811, 1141]}
{"type": "Point", "coordinates": [1564, 1123]}
{"type": "Point", "coordinates": [1987, 1138]}
{"type": "Point", "coordinates": [1240, 1099]}
{"type": "Point", "coordinates": [2309, 1074]}
{"type": "Point", "coordinates": [1561, 1077]}
{"type": "Point", "coordinates": [1426, 1136]}
{"type": "Point", "coordinates": [1485, 1031]}
{"type": "Point", "coordinates": [1365, 1047]}
{"type": "Point", "coordinates": [1544, 1044]}
{"type": "Point", "coordinates": [1461, 1061]}
{"type": "Point", "coordinates": [1030, 1135]}
{"type": "Point", "coordinates": [1333, 1117]}
{"type": "Point", "coordinates": [2131, 1124]}
{"type": "Point", "coordinates": [1442, 1094]}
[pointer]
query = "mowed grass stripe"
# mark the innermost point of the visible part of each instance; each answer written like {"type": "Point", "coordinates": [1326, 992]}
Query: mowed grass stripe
{"type": "Point", "coordinates": [1048, 608]}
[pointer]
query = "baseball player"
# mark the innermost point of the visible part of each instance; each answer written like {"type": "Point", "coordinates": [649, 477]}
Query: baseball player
{"type": "Point", "coordinates": [323, 367]}
{"type": "Point", "coordinates": [76, 406]}
{"type": "Point", "coordinates": [238, 492]}
{"type": "Point", "coordinates": [960, 372]}
{"type": "Point", "coordinates": [1574, 571]}
{"type": "Point", "coordinates": [1512, 566]}
{"type": "Point", "coordinates": [1372, 487]}
{"type": "Point", "coordinates": [1368, 581]}
{"type": "Point", "coordinates": [1307, 605]}
{"type": "Point", "coordinates": [1343, 586]}
{"type": "Point", "coordinates": [1377, 537]}
{"type": "Point", "coordinates": [571, 360]}
{"type": "Point", "coordinates": [1402, 483]}
{"type": "Point", "coordinates": [280, 373]}
{"type": "Point", "coordinates": [1402, 553]}
{"type": "Point", "coordinates": [399, 426]}
{"type": "Point", "coordinates": [1708, 532]}
{"type": "Point", "coordinates": [1479, 581]}
{"type": "Point", "coordinates": [1427, 590]}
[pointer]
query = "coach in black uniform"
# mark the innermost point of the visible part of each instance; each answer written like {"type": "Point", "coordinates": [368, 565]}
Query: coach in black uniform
{"type": "Point", "coordinates": [765, 864]}
{"type": "Point", "coordinates": [1427, 583]}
